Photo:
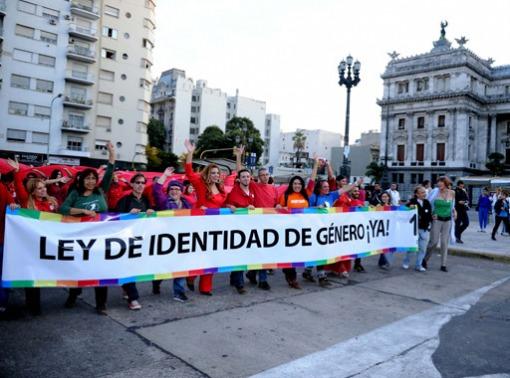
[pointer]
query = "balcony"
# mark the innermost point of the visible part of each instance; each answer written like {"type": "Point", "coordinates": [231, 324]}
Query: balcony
{"type": "Point", "coordinates": [79, 9]}
{"type": "Point", "coordinates": [82, 32]}
{"type": "Point", "coordinates": [76, 151]}
{"type": "Point", "coordinates": [77, 101]}
{"type": "Point", "coordinates": [3, 7]}
{"type": "Point", "coordinates": [81, 54]}
{"type": "Point", "coordinates": [80, 77]}
{"type": "Point", "coordinates": [76, 128]}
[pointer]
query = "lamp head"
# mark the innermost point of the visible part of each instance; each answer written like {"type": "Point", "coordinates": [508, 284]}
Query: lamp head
{"type": "Point", "coordinates": [341, 66]}
{"type": "Point", "coordinates": [357, 66]}
{"type": "Point", "coordinates": [349, 60]}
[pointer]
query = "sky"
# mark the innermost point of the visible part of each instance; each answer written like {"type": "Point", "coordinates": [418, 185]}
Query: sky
{"type": "Point", "coordinates": [286, 52]}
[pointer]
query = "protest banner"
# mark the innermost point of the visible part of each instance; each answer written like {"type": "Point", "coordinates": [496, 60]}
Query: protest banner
{"type": "Point", "coordinates": [51, 250]}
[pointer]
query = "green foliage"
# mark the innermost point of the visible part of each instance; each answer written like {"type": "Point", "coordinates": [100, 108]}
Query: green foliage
{"type": "Point", "coordinates": [375, 171]}
{"type": "Point", "coordinates": [240, 130]}
{"type": "Point", "coordinates": [158, 160]}
{"type": "Point", "coordinates": [495, 163]}
{"type": "Point", "coordinates": [156, 133]}
{"type": "Point", "coordinates": [299, 140]}
{"type": "Point", "coordinates": [212, 138]}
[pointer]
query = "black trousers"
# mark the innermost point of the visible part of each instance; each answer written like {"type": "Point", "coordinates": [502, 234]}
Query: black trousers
{"type": "Point", "coordinates": [498, 222]}
{"type": "Point", "coordinates": [33, 299]}
{"type": "Point", "coordinates": [101, 293]}
{"type": "Point", "coordinates": [461, 223]}
{"type": "Point", "coordinates": [290, 274]}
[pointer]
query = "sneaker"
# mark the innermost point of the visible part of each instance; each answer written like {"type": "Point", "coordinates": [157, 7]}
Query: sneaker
{"type": "Point", "coordinates": [420, 269]}
{"type": "Point", "coordinates": [344, 274]}
{"type": "Point", "coordinates": [134, 305]}
{"type": "Point", "coordinates": [359, 268]}
{"type": "Point", "coordinates": [101, 310]}
{"type": "Point", "coordinates": [307, 275]}
{"type": "Point", "coordinates": [324, 282]}
{"type": "Point", "coordinates": [424, 264]}
{"type": "Point", "coordinates": [493, 238]}
{"type": "Point", "coordinates": [124, 295]}
{"type": "Point", "coordinates": [444, 269]}
{"type": "Point", "coordinates": [383, 267]}
{"type": "Point", "coordinates": [252, 277]}
{"type": "Point", "coordinates": [180, 297]}
{"type": "Point", "coordinates": [405, 266]}
{"type": "Point", "coordinates": [241, 290]}
{"type": "Point", "coordinates": [264, 285]}
{"type": "Point", "coordinates": [459, 241]}
{"type": "Point", "coordinates": [294, 284]}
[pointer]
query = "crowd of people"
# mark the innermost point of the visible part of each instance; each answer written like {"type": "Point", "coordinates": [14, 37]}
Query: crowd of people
{"type": "Point", "coordinates": [442, 212]}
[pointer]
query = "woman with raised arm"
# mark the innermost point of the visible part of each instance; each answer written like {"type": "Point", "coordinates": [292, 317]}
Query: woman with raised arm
{"type": "Point", "coordinates": [210, 194]}
{"type": "Point", "coordinates": [171, 199]}
{"type": "Point", "coordinates": [89, 199]}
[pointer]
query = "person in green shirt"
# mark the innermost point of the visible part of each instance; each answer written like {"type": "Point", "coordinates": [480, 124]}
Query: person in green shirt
{"type": "Point", "coordinates": [88, 199]}
{"type": "Point", "coordinates": [442, 199]}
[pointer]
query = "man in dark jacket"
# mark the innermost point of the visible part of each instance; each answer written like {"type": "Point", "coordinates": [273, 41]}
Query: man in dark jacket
{"type": "Point", "coordinates": [424, 221]}
{"type": "Point", "coordinates": [502, 212]}
{"type": "Point", "coordinates": [461, 206]}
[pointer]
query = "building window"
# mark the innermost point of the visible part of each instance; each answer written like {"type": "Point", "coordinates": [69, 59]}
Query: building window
{"type": "Point", "coordinates": [440, 152]}
{"type": "Point", "coordinates": [193, 120]}
{"type": "Point", "coordinates": [193, 109]}
{"type": "Point", "coordinates": [403, 87]}
{"type": "Point", "coordinates": [421, 123]}
{"type": "Point", "coordinates": [141, 127]}
{"type": "Point", "coordinates": [41, 111]}
{"type": "Point", "coordinates": [102, 121]}
{"type": "Point", "coordinates": [125, 56]}
{"type": "Point", "coordinates": [401, 123]}
{"type": "Point", "coordinates": [22, 55]}
{"type": "Point", "coordinates": [18, 81]}
{"type": "Point", "coordinates": [148, 24]}
{"type": "Point", "coordinates": [101, 145]}
{"type": "Point", "coordinates": [146, 64]}
{"type": "Point", "coordinates": [413, 178]}
{"type": "Point", "coordinates": [25, 31]}
{"type": "Point", "coordinates": [45, 60]}
{"type": "Point", "coordinates": [107, 75]}
{"type": "Point", "coordinates": [50, 14]}
{"type": "Point", "coordinates": [149, 4]}
{"type": "Point", "coordinates": [111, 11]}
{"type": "Point", "coordinates": [441, 121]}
{"type": "Point", "coordinates": [18, 108]}
{"type": "Point", "coordinates": [76, 120]}
{"type": "Point", "coordinates": [401, 152]}
{"type": "Point", "coordinates": [14, 135]}
{"type": "Point", "coordinates": [44, 86]}
{"type": "Point", "coordinates": [48, 37]}
{"type": "Point", "coordinates": [145, 84]}
{"type": "Point", "coordinates": [422, 85]}
{"type": "Point", "coordinates": [109, 32]}
{"type": "Point", "coordinates": [74, 143]}
{"type": "Point", "coordinates": [420, 152]}
{"type": "Point", "coordinates": [25, 6]}
{"type": "Point", "coordinates": [39, 138]}
{"type": "Point", "coordinates": [105, 98]}
{"type": "Point", "coordinates": [108, 54]}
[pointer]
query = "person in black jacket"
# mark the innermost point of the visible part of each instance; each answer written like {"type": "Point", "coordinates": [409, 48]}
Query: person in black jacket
{"type": "Point", "coordinates": [133, 203]}
{"type": "Point", "coordinates": [461, 206]}
{"type": "Point", "coordinates": [424, 221]}
{"type": "Point", "coordinates": [501, 208]}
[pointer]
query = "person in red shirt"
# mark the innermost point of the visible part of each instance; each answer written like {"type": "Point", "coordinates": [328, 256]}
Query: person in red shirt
{"type": "Point", "coordinates": [241, 197]}
{"type": "Point", "coordinates": [348, 199]}
{"type": "Point", "coordinates": [210, 194]}
{"type": "Point", "coordinates": [119, 188]}
{"type": "Point", "coordinates": [189, 193]}
{"type": "Point", "coordinates": [6, 199]}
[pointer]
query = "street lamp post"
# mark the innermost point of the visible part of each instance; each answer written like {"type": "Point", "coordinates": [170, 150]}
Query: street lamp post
{"type": "Point", "coordinates": [349, 81]}
{"type": "Point", "coordinates": [49, 127]}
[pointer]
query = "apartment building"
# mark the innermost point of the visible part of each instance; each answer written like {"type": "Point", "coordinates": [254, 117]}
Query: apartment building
{"type": "Point", "coordinates": [75, 75]}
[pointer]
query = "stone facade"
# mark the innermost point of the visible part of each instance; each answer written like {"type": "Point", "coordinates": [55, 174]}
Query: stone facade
{"type": "Point", "coordinates": [443, 112]}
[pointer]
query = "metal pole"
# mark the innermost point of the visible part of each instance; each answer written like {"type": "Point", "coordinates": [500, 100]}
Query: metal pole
{"type": "Point", "coordinates": [346, 167]}
{"type": "Point", "coordinates": [49, 128]}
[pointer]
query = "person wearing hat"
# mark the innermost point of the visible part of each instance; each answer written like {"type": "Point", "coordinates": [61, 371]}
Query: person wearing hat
{"type": "Point", "coordinates": [171, 200]}
{"type": "Point", "coordinates": [135, 202]}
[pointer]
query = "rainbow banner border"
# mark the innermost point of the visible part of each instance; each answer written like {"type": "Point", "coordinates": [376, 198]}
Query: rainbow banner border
{"type": "Point", "coordinates": [198, 272]}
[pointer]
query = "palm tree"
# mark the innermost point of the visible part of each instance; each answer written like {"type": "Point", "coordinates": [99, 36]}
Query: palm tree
{"type": "Point", "coordinates": [375, 171]}
{"type": "Point", "coordinates": [299, 140]}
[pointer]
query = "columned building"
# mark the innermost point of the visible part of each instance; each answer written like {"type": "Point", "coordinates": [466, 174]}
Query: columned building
{"type": "Point", "coordinates": [443, 112]}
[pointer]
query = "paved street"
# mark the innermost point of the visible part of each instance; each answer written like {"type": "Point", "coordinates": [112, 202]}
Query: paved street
{"type": "Point", "coordinates": [382, 323]}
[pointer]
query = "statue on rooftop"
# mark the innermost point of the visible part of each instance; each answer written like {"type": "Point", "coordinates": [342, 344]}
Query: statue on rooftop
{"type": "Point", "coordinates": [444, 24]}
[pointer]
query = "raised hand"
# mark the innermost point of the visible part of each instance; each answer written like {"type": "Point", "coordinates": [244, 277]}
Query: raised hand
{"type": "Point", "coordinates": [169, 171]}
{"type": "Point", "coordinates": [190, 147]}
{"type": "Point", "coordinates": [14, 164]}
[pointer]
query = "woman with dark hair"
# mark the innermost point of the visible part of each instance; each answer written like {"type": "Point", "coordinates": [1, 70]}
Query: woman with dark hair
{"type": "Point", "coordinates": [296, 196]}
{"type": "Point", "coordinates": [385, 200]}
{"type": "Point", "coordinates": [442, 200]}
{"type": "Point", "coordinates": [171, 199]}
{"type": "Point", "coordinates": [88, 199]}
{"type": "Point", "coordinates": [189, 193]}
{"type": "Point", "coordinates": [210, 194]}
{"type": "Point", "coordinates": [134, 203]}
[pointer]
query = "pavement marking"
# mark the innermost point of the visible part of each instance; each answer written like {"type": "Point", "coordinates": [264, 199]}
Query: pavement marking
{"type": "Point", "coordinates": [402, 348]}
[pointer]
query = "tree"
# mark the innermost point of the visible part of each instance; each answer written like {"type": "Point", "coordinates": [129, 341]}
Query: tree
{"type": "Point", "coordinates": [241, 130]}
{"type": "Point", "coordinates": [495, 163]}
{"type": "Point", "coordinates": [153, 160]}
{"type": "Point", "coordinates": [375, 171]}
{"type": "Point", "coordinates": [213, 138]}
{"type": "Point", "coordinates": [299, 140]}
{"type": "Point", "coordinates": [156, 133]}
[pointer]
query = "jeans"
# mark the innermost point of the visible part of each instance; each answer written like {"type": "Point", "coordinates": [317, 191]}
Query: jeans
{"type": "Point", "coordinates": [178, 286]}
{"type": "Point", "coordinates": [237, 278]}
{"type": "Point", "coordinates": [131, 291]}
{"type": "Point", "coordinates": [461, 223]}
{"type": "Point", "coordinates": [4, 294]}
{"type": "Point", "coordinates": [320, 271]}
{"type": "Point", "coordinates": [423, 239]}
{"type": "Point", "coordinates": [483, 217]}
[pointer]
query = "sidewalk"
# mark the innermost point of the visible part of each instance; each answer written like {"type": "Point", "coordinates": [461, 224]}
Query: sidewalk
{"type": "Point", "coordinates": [479, 244]}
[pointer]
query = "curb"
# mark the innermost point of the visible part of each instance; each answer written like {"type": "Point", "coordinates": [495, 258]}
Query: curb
{"type": "Point", "coordinates": [480, 255]}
